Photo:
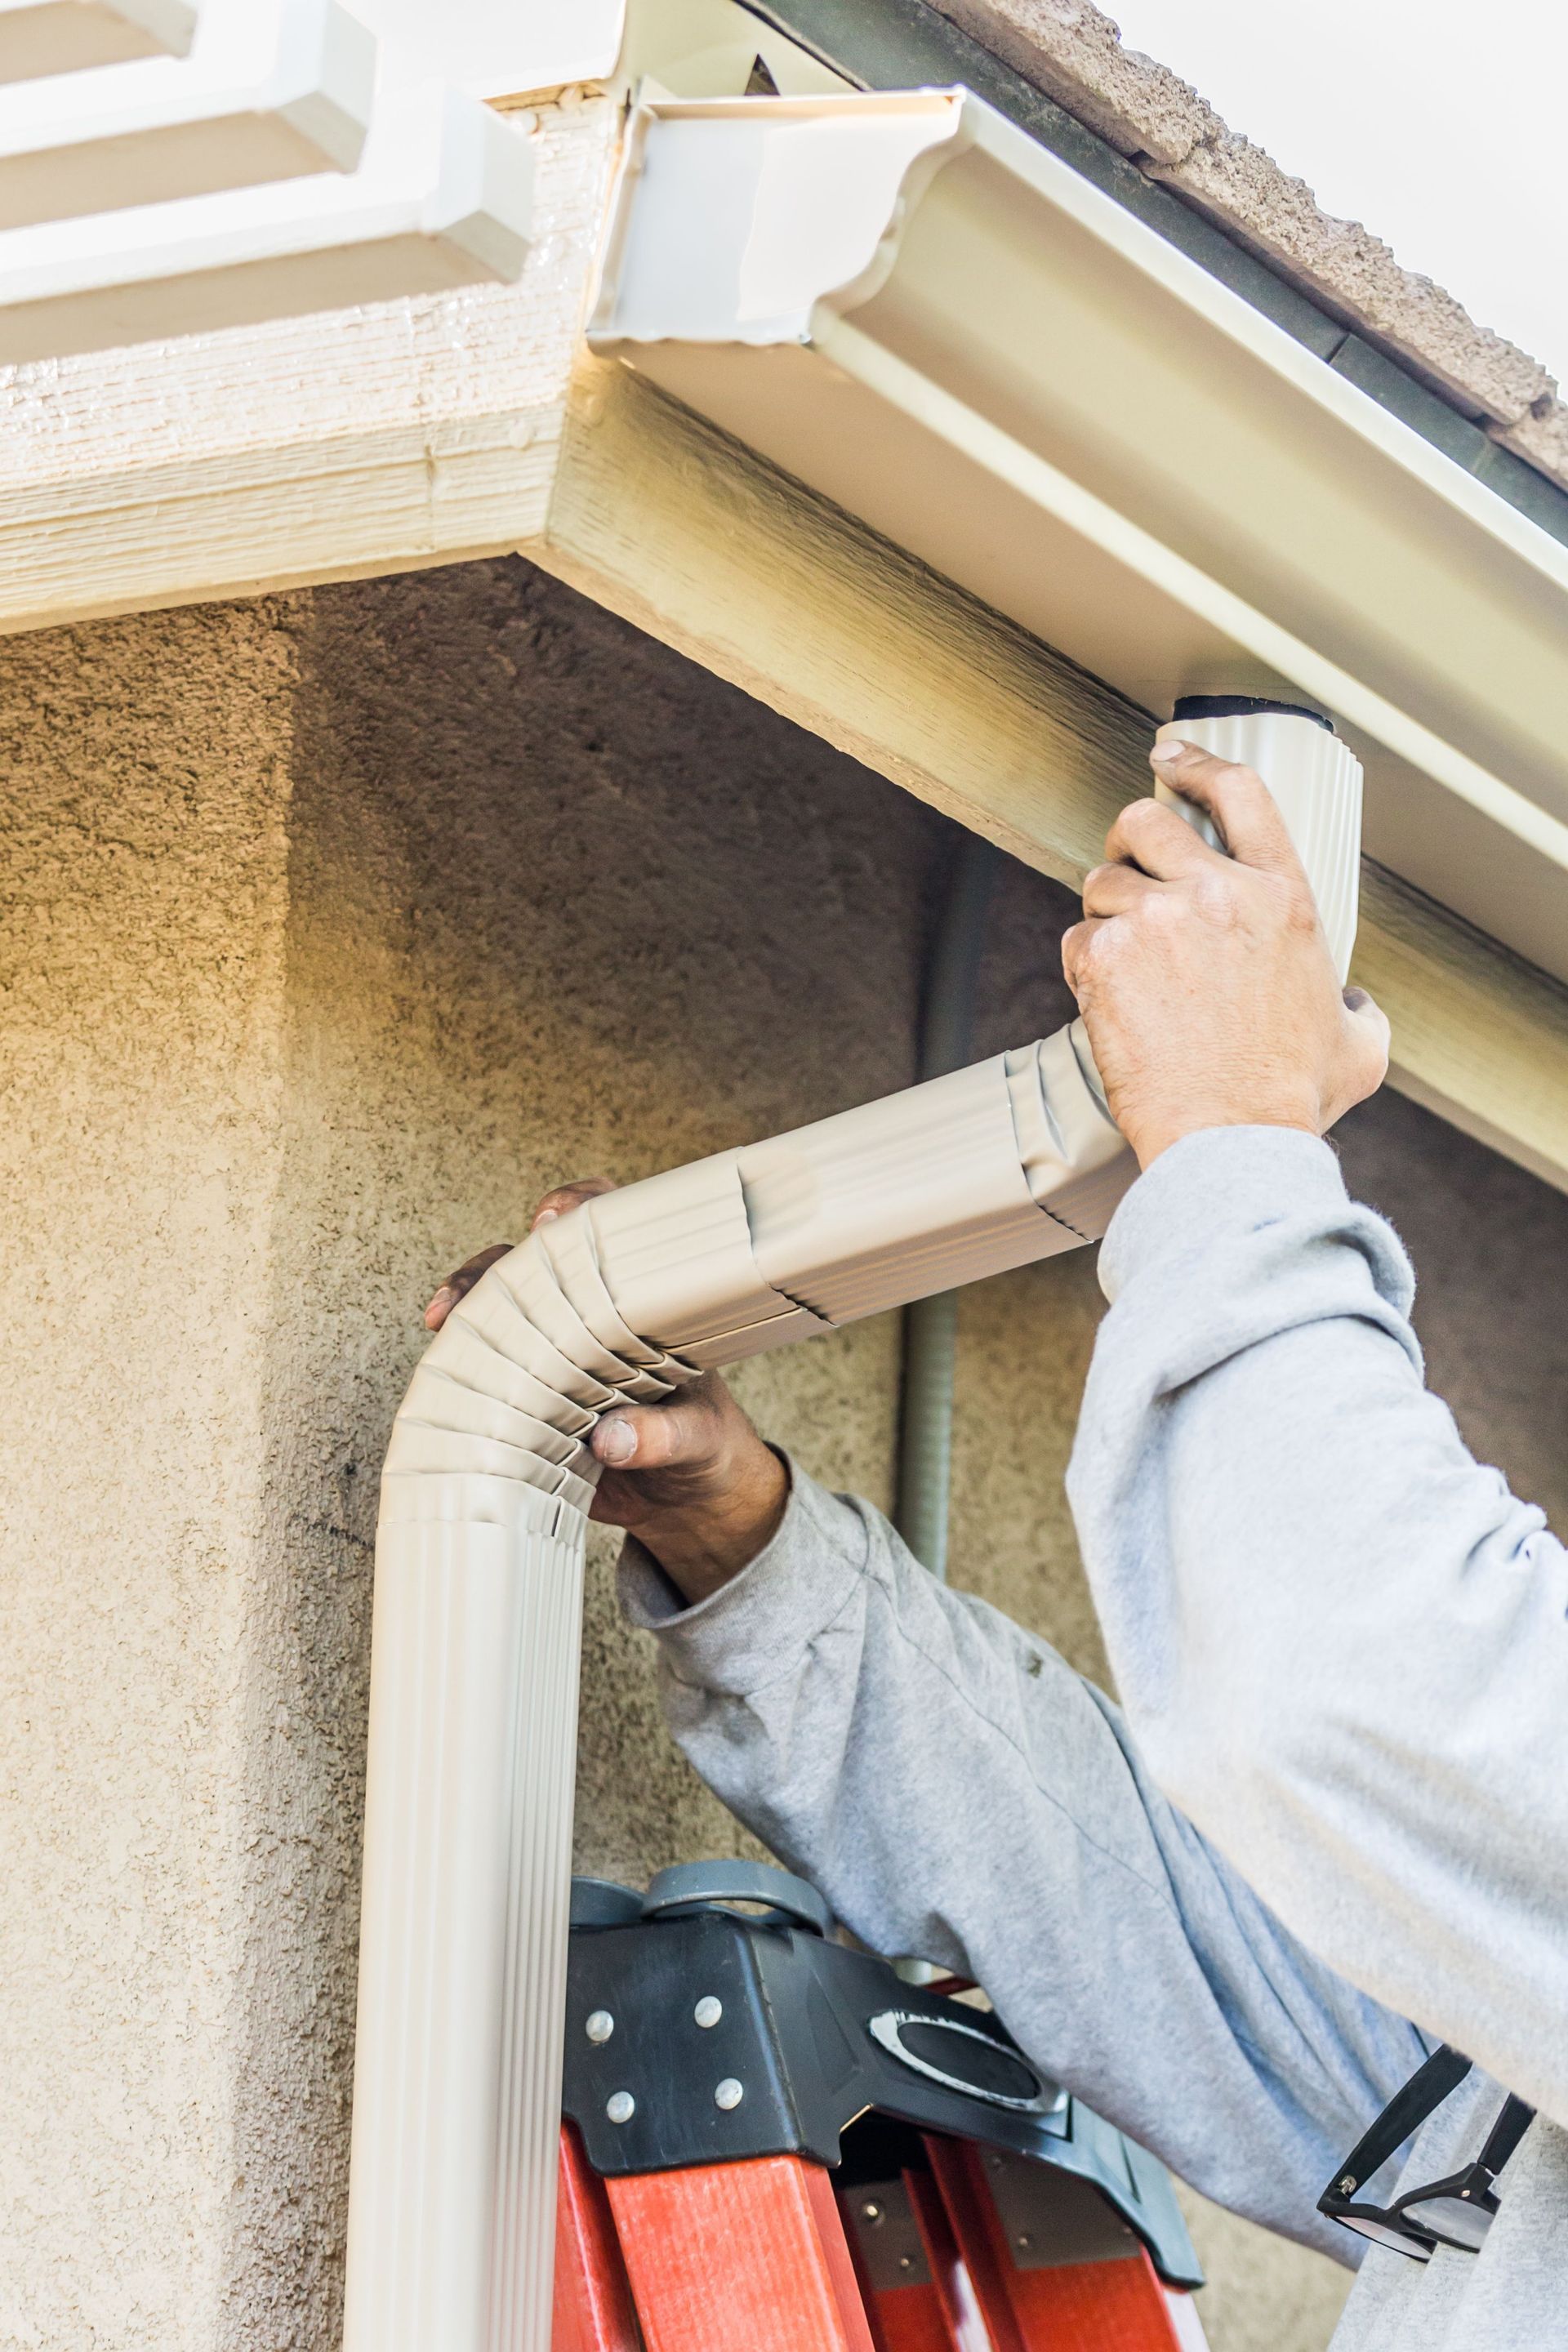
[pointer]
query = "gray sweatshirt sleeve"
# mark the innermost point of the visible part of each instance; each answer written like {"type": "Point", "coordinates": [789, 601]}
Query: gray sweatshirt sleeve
{"type": "Point", "coordinates": [957, 1791]}
{"type": "Point", "coordinates": [1340, 1643]}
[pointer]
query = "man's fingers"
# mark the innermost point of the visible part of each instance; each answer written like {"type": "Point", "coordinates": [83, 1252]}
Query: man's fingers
{"type": "Point", "coordinates": [567, 1197]}
{"type": "Point", "coordinates": [458, 1284]}
{"type": "Point", "coordinates": [1239, 802]}
{"type": "Point", "coordinates": [1157, 842]}
{"type": "Point", "coordinates": [558, 1203]}
{"type": "Point", "coordinates": [656, 1436]}
{"type": "Point", "coordinates": [1077, 944]}
{"type": "Point", "coordinates": [1112, 889]}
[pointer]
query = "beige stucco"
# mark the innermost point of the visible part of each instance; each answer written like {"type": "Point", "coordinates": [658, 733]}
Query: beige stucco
{"type": "Point", "coordinates": [336, 927]}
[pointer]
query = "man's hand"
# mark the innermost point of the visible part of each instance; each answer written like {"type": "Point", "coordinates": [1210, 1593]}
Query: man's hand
{"type": "Point", "coordinates": [1205, 982]}
{"type": "Point", "coordinates": [691, 1477]}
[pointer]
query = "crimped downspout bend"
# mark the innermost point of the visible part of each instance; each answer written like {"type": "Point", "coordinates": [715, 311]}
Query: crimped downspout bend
{"type": "Point", "coordinates": [485, 1495]}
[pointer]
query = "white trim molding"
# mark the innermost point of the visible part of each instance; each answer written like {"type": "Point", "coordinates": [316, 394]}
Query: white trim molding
{"type": "Point", "coordinates": [284, 166]}
{"type": "Point", "coordinates": [441, 199]}
{"type": "Point", "coordinates": [42, 37]}
{"type": "Point", "coordinates": [496, 48]}
{"type": "Point", "coordinates": [906, 304]}
{"type": "Point", "coordinates": [269, 92]}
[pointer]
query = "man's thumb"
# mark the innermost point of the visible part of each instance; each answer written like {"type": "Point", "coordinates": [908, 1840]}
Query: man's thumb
{"type": "Point", "coordinates": [1367, 1025]}
{"type": "Point", "coordinates": [651, 1438]}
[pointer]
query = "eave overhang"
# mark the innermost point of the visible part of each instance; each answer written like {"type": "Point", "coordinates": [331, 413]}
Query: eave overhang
{"type": "Point", "coordinates": [906, 303]}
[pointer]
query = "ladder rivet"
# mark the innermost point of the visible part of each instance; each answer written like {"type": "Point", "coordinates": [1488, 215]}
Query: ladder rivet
{"type": "Point", "coordinates": [728, 2093]}
{"type": "Point", "coordinates": [600, 2026]}
{"type": "Point", "coordinates": [869, 2213]}
{"type": "Point", "coordinates": [1024, 2239]}
{"type": "Point", "coordinates": [708, 2010]}
{"type": "Point", "coordinates": [620, 2107]}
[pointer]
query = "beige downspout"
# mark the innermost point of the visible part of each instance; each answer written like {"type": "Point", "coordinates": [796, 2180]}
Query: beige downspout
{"type": "Point", "coordinates": [485, 1493]}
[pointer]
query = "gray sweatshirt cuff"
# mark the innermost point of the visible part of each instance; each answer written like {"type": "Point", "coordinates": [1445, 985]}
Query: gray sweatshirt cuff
{"type": "Point", "coordinates": [746, 1634]}
{"type": "Point", "coordinates": [1221, 1180]}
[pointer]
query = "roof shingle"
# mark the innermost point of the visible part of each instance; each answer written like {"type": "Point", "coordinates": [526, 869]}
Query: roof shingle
{"type": "Point", "coordinates": [1073, 51]}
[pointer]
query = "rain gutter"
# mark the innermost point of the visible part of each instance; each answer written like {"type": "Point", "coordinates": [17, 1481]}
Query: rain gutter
{"type": "Point", "coordinates": [905, 45]}
{"type": "Point", "coordinates": [908, 304]}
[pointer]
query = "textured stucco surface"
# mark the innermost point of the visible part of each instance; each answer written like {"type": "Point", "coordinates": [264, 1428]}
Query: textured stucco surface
{"type": "Point", "coordinates": [336, 928]}
{"type": "Point", "coordinates": [143, 1800]}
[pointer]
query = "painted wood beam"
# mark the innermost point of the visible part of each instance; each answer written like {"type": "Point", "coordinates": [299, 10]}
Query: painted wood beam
{"type": "Point", "coordinates": [1478, 1036]}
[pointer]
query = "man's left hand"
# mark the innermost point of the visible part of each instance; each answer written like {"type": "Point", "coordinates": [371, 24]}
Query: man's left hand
{"type": "Point", "coordinates": [1204, 981]}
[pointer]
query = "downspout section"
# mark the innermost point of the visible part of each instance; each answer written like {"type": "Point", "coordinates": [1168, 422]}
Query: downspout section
{"type": "Point", "coordinates": [485, 1495]}
{"type": "Point", "coordinates": [484, 1502]}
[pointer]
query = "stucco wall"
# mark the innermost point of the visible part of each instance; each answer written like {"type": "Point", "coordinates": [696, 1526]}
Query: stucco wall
{"type": "Point", "coordinates": [340, 927]}
{"type": "Point", "coordinates": [144, 1922]}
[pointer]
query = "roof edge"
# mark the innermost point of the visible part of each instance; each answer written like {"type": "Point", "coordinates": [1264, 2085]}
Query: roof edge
{"type": "Point", "coordinates": [1073, 51]}
{"type": "Point", "coordinates": [1136, 130]}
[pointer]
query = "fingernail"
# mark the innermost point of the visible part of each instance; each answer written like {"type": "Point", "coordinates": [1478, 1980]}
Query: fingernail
{"type": "Point", "coordinates": [615, 1441]}
{"type": "Point", "coordinates": [444, 1297]}
{"type": "Point", "coordinates": [1167, 751]}
{"type": "Point", "coordinates": [545, 1217]}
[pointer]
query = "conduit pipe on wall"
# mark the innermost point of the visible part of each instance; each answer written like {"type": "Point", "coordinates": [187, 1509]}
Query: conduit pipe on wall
{"type": "Point", "coordinates": [485, 1495]}
{"type": "Point", "coordinates": [930, 1325]}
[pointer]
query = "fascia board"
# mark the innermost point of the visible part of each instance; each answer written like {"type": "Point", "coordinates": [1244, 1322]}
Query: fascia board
{"type": "Point", "coordinates": [268, 92]}
{"type": "Point", "coordinates": [42, 37]}
{"type": "Point", "coordinates": [502, 48]}
{"type": "Point", "coordinates": [510, 48]}
{"type": "Point", "coordinates": [1037, 395]}
{"type": "Point", "coordinates": [442, 199]}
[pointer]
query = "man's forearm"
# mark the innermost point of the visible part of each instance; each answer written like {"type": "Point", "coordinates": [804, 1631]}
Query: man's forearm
{"type": "Point", "coordinates": [1340, 1642]}
{"type": "Point", "coordinates": [957, 1791]}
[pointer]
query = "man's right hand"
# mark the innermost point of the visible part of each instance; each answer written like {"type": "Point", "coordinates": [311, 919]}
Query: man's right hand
{"type": "Point", "coordinates": [690, 1478]}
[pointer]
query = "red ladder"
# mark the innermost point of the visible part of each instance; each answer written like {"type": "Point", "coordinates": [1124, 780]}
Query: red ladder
{"type": "Point", "coordinates": [971, 2249]}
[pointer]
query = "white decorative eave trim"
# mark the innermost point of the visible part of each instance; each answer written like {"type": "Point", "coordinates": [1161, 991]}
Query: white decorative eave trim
{"type": "Point", "coordinates": [501, 48]}
{"type": "Point", "coordinates": [442, 198]}
{"type": "Point", "coordinates": [906, 304]}
{"type": "Point", "coordinates": [272, 89]}
{"type": "Point", "coordinates": [39, 37]}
